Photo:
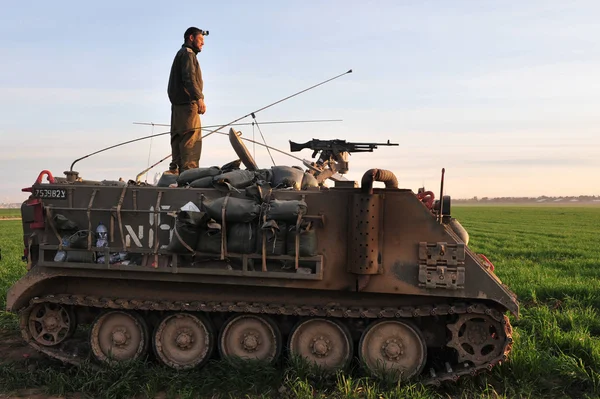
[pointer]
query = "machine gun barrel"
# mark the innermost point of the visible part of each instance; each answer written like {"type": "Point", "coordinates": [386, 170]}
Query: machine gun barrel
{"type": "Point", "coordinates": [337, 145]}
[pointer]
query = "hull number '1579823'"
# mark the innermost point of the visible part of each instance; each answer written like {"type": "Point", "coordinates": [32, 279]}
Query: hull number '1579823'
{"type": "Point", "coordinates": [54, 193]}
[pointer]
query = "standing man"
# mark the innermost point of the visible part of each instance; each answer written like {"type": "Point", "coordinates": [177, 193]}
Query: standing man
{"type": "Point", "coordinates": [187, 101]}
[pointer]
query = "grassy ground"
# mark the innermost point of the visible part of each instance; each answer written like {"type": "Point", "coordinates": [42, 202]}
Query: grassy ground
{"type": "Point", "coordinates": [547, 255]}
{"type": "Point", "coordinates": [10, 213]}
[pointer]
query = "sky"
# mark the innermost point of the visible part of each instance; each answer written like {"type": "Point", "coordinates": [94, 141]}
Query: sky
{"type": "Point", "coordinates": [505, 95]}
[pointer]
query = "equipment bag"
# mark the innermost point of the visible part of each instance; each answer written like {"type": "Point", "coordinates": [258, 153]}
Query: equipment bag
{"type": "Point", "coordinates": [63, 223]}
{"type": "Point", "coordinates": [79, 239]}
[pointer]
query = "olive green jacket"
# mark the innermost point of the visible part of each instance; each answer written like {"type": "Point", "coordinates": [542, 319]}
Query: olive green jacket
{"type": "Point", "coordinates": [185, 80]}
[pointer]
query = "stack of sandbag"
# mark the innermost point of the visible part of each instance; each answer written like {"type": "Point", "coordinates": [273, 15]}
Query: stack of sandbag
{"type": "Point", "coordinates": [232, 178]}
{"type": "Point", "coordinates": [256, 224]}
{"type": "Point", "coordinates": [296, 233]}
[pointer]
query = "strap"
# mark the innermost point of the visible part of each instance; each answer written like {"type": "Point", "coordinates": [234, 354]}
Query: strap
{"type": "Point", "coordinates": [89, 216]}
{"type": "Point", "coordinates": [119, 219]}
{"type": "Point", "coordinates": [156, 240]}
{"type": "Point", "coordinates": [264, 251]}
{"type": "Point", "coordinates": [182, 241]}
{"type": "Point", "coordinates": [224, 228]}
{"type": "Point", "coordinates": [298, 220]}
{"type": "Point", "coordinates": [53, 227]}
{"type": "Point", "coordinates": [29, 244]}
{"type": "Point", "coordinates": [296, 258]}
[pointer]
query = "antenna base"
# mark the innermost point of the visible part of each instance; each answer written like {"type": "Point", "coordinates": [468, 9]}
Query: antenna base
{"type": "Point", "coordinates": [72, 175]}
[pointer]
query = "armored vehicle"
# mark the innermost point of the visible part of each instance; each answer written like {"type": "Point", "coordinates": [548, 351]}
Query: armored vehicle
{"type": "Point", "coordinates": [260, 263]}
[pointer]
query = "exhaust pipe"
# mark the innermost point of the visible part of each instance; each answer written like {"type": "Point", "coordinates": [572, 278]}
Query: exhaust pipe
{"type": "Point", "coordinates": [373, 175]}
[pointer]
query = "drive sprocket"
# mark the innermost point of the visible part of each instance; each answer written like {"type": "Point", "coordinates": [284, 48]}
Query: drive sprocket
{"type": "Point", "coordinates": [478, 338]}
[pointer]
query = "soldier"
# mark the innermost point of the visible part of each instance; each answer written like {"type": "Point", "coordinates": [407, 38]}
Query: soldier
{"type": "Point", "coordinates": [187, 101]}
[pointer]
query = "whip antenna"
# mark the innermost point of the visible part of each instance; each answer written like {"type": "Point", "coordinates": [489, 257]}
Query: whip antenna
{"type": "Point", "coordinates": [222, 126]}
{"type": "Point", "coordinates": [279, 101]}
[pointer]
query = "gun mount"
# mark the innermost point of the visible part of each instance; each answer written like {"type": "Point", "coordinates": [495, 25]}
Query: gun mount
{"type": "Point", "coordinates": [333, 155]}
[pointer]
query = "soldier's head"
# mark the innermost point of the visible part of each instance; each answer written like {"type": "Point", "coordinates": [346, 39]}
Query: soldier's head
{"type": "Point", "coordinates": [194, 38]}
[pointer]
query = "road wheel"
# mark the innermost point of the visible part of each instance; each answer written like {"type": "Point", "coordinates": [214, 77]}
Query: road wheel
{"type": "Point", "coordinates": [250, 337]}
{"type": "Point", "coordinates": [183, 341]}
{"type": "Point", "coordinates": [326, 343]}
{"type": "Point", "coordinates": [394, 347]}
{"type": "Point", "coordinates": [119, 336]}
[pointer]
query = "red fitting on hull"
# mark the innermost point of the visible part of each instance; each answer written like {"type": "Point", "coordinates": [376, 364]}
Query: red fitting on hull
{"type": "Point", "coordinates": [43, 173]}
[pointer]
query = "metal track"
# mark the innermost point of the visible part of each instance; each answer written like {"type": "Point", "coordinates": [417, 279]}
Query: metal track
{"type": "Point", "coordinates": [452, 372]}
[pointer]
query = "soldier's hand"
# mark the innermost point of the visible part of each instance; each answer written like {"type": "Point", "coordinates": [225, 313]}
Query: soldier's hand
{"type": "Point", "coordinates": [201, 107]}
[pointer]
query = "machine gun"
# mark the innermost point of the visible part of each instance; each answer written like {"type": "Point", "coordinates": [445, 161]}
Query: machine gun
{"type": "Point", "coordinates": [333, 155]}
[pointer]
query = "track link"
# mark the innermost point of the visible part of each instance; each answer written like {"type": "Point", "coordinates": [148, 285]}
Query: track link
{"type": "Point", "coordinates": [452, 372]}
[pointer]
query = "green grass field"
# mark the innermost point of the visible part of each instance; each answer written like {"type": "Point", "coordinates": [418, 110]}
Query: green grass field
{"type": "Point", "coordinates": [10, 213]}
{"type": "Point", "coordinates": [548, 255]}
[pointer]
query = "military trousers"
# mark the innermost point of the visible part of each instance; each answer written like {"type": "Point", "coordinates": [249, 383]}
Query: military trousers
{"type": "Point", "coordinates": [186, 137]}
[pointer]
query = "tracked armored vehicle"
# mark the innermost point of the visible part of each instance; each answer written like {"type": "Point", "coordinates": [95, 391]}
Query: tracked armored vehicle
{"type": "Point", "coordinates": [260, 263]}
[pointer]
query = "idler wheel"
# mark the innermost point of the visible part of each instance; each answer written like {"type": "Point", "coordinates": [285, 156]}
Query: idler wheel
{"type": "Point", "coordinates": [118, 336]}
{"type": "Point", "coordinates": [393, 346]}
{"type": "Point", "coordinates": [326, 343]}
{"type": "Point", "coordinates": [50, 324]}
{"type": "Point", "coordinates": [250, 337]}
{"type": "Point", "coordinates": [183, 340]}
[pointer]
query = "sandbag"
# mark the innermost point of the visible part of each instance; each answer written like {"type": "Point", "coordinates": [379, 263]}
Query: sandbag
{"type": "Point", "coordinates": [237, 178]}
{"type": "Point", "coordinates": [275, 236]}
{"type": "Point", "coordinates": [259, 191]}
{"type": "Point", "coordinates": [286, 210]}
{"type": "Point", "coordinates": [188, 176]}
{"type": "Point", "coordinates": [229, 166]}
{"type": "Point", "coordinates": [238, 210]}
{"type": "Point", "coordinates": [63, 223]}
{"type": "Point", "coordinates": [241, 238]}
{"type": "Point", "coordinates": [203, 182]}
{"type": "Point", "coordinates": [308, 240]}
{"type": "Point", "coordinates": [287, 176]}
{"type": "Point", "coordinates": [309, 181]}
{"type": "Point", "coordinates": [166, 180]}
{"type": "Point", "coordinates": [265, 175]}
{"type": "Point", "coordinates": [209, 238]}
{"type": "Point", "coordinates": [187, 226]}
